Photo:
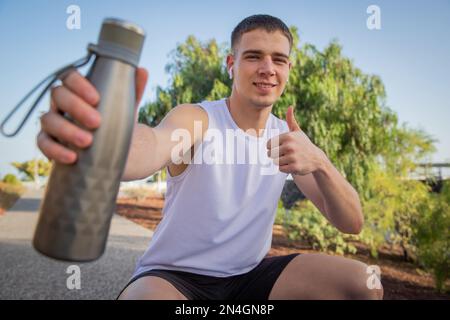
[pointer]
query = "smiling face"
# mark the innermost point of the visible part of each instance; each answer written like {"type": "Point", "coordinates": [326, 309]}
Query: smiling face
{"type": "Point", "coordinates": [260, 67]}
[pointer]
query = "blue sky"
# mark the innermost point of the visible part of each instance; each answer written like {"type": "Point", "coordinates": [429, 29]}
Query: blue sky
{"type": "Point", "coordinates": [410, 53]}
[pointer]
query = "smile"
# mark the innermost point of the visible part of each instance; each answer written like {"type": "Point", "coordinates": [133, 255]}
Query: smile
{"type": "Point", "coordinates": [264, 85]}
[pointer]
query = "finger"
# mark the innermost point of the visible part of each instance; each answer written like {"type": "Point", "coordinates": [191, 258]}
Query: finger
{"type": "Point", "coordinates": [284, 138]}
{"type": "Point", "coordinates": [273, 142]}
{"type": "Point", "coordinates": [141, 81]}
{"type": "Point", "coordinates": [274, 153]}
{"type": "Point", "coordinates": [286, 149]}
{"type": "Point", "coordinates": [76, 107]}
{"type": "Point", "coordinates": [269, 144]}
{"type": "Point", "coordinates": [52, 101]}
{"type": "Point", "coordinates": [81, 87]}
{"type": "Point", "coordinates": [286, 168]}
{"type": "Point", "coordinates": [277, 140]}
{"type": "Point", "coordinates": [290, 119]}
{"type": "Point", "coordinates": [283, 160]}
{"type": "Point", "coordinates": [57, 126]}
{"type": "Point", "coordinates": [54, 150]}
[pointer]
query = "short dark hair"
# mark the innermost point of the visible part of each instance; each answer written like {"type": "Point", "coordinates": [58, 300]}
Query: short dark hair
{"type": "Point", "coordinates": [260, 21]}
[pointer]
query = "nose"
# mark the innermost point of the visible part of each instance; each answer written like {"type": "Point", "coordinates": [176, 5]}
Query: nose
{"type": "Point", "coordinates": [266, 67]}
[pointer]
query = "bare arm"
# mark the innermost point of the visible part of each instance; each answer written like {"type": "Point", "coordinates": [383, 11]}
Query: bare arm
{"type": "Point", "coordinates": [316, 177]}
{"type": "Point", "coordinates": [333, 196]}
{"type": "Point", "coordinates": [151, 148]}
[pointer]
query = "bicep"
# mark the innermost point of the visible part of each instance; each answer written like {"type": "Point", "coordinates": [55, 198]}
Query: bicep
{"type": "Point", "coordinates": [181, 128]}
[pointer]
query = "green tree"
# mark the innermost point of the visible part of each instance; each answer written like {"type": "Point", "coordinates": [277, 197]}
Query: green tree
{"type": "Point", "coordinates": [344, 112]}
{"type": "Point", "coordinates": [339, 107]}
{"type": "Point", "coordinates": [197, 72]}
{"type": "Point", "coordinates": [28, 168]}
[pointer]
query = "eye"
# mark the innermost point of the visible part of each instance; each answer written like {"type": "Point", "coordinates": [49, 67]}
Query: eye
{"type": "Point", "coordinates": [280, 61]}
{"type": "Point", "coordinates": [252, 57]}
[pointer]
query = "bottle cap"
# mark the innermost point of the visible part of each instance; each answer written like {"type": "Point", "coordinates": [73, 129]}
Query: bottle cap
{"type": "Point", "coordinates": [120, 40]}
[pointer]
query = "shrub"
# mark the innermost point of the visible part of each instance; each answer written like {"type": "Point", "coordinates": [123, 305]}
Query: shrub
{"type": "Point", "coordinates": [306, 223]}
{"type": "Point", "coordinates": [391, 211]}
{"type": "Point", "coordinates": [11, 179]}
{"type": "Point", "coordinates": [9, 193]}
{"type": "Point", "coordinates": [432, 238]}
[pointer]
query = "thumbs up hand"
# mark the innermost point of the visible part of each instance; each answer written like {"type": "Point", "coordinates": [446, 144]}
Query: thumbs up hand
{"type": "Point", "coordinates": [290, 119]}
{"type": "Point", "coordinates": [293, 151]}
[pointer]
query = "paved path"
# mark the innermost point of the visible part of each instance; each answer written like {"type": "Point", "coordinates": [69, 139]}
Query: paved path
{"type": "Point", "coordinates": [26, 274]}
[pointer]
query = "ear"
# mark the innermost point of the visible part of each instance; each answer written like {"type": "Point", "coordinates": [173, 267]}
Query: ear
{"type": "Point", "coordinates": [230, 61]}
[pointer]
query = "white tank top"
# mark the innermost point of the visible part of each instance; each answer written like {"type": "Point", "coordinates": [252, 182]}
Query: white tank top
{"type": "Point", "coordinates": [218, 216]}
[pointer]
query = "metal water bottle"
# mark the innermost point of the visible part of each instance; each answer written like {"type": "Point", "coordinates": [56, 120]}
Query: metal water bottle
{"type": "Point", "coordinates": [80, 198]}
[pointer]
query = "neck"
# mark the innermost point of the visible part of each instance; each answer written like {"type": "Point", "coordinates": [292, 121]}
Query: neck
{"type": "Point", "coordinates": [247, 115]}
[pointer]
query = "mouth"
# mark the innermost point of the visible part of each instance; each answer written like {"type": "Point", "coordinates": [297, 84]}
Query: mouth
{"type": "Point", "coordinates": [264, 85]}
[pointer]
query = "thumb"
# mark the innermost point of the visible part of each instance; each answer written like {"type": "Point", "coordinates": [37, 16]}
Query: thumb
{"type": "Point", "coordinates": [290, 119]}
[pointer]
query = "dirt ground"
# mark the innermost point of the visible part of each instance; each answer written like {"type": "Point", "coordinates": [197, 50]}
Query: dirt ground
{"type": "Point", "coordinates": [400, 279]}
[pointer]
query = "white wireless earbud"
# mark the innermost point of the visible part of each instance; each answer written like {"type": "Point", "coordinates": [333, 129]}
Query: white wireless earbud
{"type": "Point", "coordinates": [230, 72]}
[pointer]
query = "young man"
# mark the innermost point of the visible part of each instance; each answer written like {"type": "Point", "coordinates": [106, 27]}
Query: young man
{"type": "Point", "coordinates": [218, 217]}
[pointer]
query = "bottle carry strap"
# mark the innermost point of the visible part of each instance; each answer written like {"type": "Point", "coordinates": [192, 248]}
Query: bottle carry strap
{"type": "Point", "coordinates": [58, 74]}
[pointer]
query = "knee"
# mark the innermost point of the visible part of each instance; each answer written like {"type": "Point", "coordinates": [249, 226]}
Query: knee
{"type": "Point", "coordinates": [372, 293]}
{"type": "Point", "coordinates": [375, 294]}
{"type": "Point", "coordinates": [366, 284]}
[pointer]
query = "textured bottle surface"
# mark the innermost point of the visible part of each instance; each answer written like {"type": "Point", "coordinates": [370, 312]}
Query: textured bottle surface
{"type": "Point", "coordinates": [79, 201]}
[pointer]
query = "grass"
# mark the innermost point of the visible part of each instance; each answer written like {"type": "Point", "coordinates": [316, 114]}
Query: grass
{"type": "Point", "coordinates": [9, 194]}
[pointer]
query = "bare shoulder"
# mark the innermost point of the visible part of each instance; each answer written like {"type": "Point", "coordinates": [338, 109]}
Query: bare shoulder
{"type": "Point", "coordinates": [192, 111]}
{"type": "Point", "coordinates": [189, 117]}
{"type": "Point", "coordinates": [186, 116]}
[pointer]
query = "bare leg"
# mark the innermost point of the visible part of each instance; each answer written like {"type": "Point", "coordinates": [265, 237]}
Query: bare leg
{"type": "Point", "coordinates": [321, 276]}
{"type": "Point", "coordinates": [151, 288]}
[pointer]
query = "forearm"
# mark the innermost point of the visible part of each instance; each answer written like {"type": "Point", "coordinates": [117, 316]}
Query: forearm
{"type": "Point", "coordinates": [341, 201]}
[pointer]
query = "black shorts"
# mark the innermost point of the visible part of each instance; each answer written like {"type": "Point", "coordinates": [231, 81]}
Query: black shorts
{"type": "Point", "coordinates": [253, 285]}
